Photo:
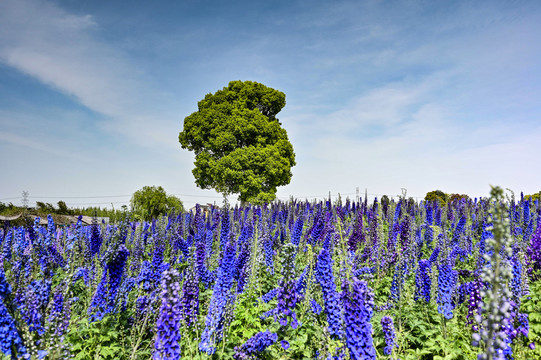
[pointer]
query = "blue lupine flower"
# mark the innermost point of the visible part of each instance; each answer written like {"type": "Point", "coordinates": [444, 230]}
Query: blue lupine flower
{"type": "Point", "coordinates": [146, 278]}
{"type": "Point", "coordinates": [316, 308]}
{"type": "Point", "coordinates": [399, 278]}
{"type": "Point", "coordinates": [190, 297]}
{"type": "Point", "coordinates": [422, 280]}
{"type": "Point", "coordinates": [103, 301]}
{"type": "Point", "coordinates": [241, 266]}
{"type": "Point", "coordinates": [434, 256]}
{"type": "Point", "coordinates": [358, 302]}
{"type": "Point", "coordinates": [524, 324]}
{"type": "Point", "coordinates": [317, 230]}
{"type": "Point", "coordinates": [95, 239]}
{"type": "Point", "coordinates": [357, 237]}
{"type": "Point", "coordinates": [534, 252]}
{"type": "Point", "coordinates": [267, 245]}
{"type": "Point", "coordinates": [9, 336]}
{"type": "Point", "coordinates": [325, 278]}
{"type": "Point", "coordinates": [446, 282]}
{"type": "Point", "coordinates": [459, 229]}
{"type": "Point", "coordinates": [255, 345]}
{"type": "Point", "coordinates": [302, 283]}
{"type": "Point", "coordinates": [269, 295]}
{"type": "Point", "coordinates": [429, 217]}
{"type": "Point", "coordinates": [475, 300]}
{"type": "Point", "coordinates": [387, 326]}
{"type": "Point", "coordinates": [167, 344]}
{"type": "Point", "coordinates": [297, 231]}
{"type": "Point", "coordinates": [220, 296]}
{"type": "Point", "coordinates": [224, 233]}
{"type": "Point", "coordinates": [516, 281]}
{"type": "Point", "coordinates": [5, 287]}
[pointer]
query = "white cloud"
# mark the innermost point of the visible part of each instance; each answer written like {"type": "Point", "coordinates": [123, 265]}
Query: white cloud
{"type": "Point", "coordinates": [63, 51]}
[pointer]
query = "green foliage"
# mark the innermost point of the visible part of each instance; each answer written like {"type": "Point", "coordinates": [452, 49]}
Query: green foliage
{"type": "Point", "coordinates": [239, 144]}
{"type": "Point", "coordinates": [458, 197]}
{"type": "Point", "coordinates": [63, 208]}
{"type": "Point", "coordinates": [437, 195]}
{"type": "Point", "coordinates": [536, 196]}
{"type": "Point", "coordinates": [151, 202]}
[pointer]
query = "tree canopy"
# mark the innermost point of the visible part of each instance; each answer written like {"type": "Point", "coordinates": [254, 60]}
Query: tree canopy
{"type": "Point", "coordinates": [240, 146]}
{"type": "Point", "coordinates": [437, 195]}
{"type": "Point", "coordinates": [151, 202]}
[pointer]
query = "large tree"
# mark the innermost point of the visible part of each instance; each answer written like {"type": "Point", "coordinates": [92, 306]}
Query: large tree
{"type": "Point", "coordinates": [240, 146]}
{"type": "Point", "coordinates": [152, 201]}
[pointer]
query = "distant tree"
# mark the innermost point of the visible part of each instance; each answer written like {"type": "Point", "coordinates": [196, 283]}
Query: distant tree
{"type": "Point", "coordinates": [152, 201]}
{"type": "Point", "coordinates": [240, 146]}
{"type": "Point", "coordinates": [533, 197]}
{"type": "Point", "coordinates": [45, 207]}
{"type": "Point", "coordinates": [437, 195]}
{"type": "Point", "coordinates": [458, 197]}
{"type": "Point", "coordinates": [63, 208]}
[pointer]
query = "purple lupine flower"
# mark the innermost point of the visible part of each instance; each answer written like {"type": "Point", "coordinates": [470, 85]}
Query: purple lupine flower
{"type": "Point", "coordinates": [434, 256]}
{"type": "Point", "coordinates": [317, 230]}
{"type": "Point", "coordinates": [437, 220]}
{"type": "Point", "coordinates": [287, 296]}
{"type": "Point", "coordinates": [447, 278]}
{"type": "Point", "coordinates": [387, 326]}
{"type": "Point", "coordinates": [399, 278]}
{"type": "Point", "coordinates": [357, 237]}
{"type": "Point", "coordinates": [405, 230]}
{"type": "Point", "coordinates": [190, 297]}
{"type": "Point", "coordinates": [103, 301]}
{"type": "Point", "coordinates": [523, 324]}
{"type": "Point", "coordinates": [534, 252]}
{"type": "Point", "coordinates": [255, 345]}
{"type": "Point", "coordinates": [224, 233]}
{"type": "Point", "coordinates": [98, 304]}
{"type": "Point", "coordinates": [423, 282]}
{"type": "Point", "coordinates": [358, 302]}
{"type": "Point", "coordinates": [241, 266]}
{"type": "Point", "coordinates": [95, 239]}
{"type": "Point", "coordinates": [167, 344]}
{"type": "Point", "coordinates": [33, 303]}
{"type": "Point", "coordinates": [221, 294]}
{"type": "Point", "coordinates": [325, 278]}
{"type": "Point", "coordinates": [60, 313]}
{"type": "Point", "coordinates": [516, 281]}
{"type": "Point", "coordinates": [429, 217]}
{"type": "Point", "coordinates": [297, 231]}
{"type": "Point", "coordinates": [429, 236]}
{"type": "Point", "coordinates": [475, 300]}
{"type": "Point", "coordinates": [116, 268]}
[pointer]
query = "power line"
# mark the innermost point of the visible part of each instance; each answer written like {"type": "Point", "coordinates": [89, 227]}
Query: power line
{"type": "Point", "coordinates": [77, 197]}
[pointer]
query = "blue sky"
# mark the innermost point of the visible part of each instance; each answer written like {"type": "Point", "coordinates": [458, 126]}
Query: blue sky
{"type": "Point", "coordinates": [381, 95]}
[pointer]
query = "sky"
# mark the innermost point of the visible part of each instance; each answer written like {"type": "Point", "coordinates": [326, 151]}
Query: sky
{"type": "Point", "coordinates": [380, 95]}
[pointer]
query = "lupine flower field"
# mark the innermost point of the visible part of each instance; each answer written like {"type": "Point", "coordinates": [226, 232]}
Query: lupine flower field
{"type": "Point", "coordinates": [388, 279]}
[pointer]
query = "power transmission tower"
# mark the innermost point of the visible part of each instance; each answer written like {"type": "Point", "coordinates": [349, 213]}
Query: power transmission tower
{"type": "Point", "coordinates": [25, 199]}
